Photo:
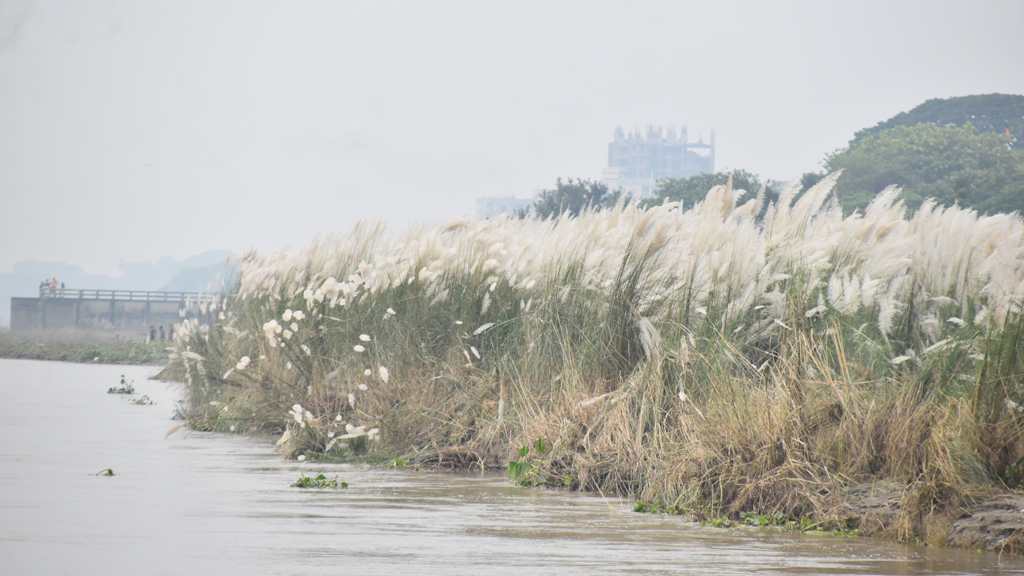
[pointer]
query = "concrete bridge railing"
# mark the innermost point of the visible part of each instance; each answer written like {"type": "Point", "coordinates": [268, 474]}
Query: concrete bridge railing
{"type": "Point", "coordinates": [129, 295]}
{"type": "Point", "coordinates": [120, 311]}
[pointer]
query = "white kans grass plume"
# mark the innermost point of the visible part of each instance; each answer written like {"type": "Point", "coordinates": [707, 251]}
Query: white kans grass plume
{"type": "Point", "coordinates": [718, 251]}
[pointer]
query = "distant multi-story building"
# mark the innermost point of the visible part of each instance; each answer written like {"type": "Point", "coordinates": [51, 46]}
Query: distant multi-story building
{"type": "Point", "coordinates": [490, 207]}
{"type": "Point", "coordinates": [636, 161]}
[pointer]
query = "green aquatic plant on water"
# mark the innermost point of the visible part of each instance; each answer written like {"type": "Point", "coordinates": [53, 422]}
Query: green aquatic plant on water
{"type": "Point", "coordinates": [524, 471]}
{"type": "Point", "coordinates": [143, 400]}
{"type": "Point", "coordinates": [319, 481]}
{"type": "Point", "coordinates": [125, 387]}
{"type": "Point", "coordinates": [756, 519]}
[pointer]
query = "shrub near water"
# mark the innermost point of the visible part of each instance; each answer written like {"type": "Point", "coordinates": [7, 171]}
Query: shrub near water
{"type": "Point", "coordinates": [700, 360]}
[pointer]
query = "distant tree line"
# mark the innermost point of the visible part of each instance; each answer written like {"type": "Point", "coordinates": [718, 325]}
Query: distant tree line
{"type": "Point", "coordinates": [967, 150]}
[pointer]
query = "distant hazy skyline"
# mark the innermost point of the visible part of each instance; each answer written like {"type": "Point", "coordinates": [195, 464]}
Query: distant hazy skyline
{"type": "Point", "coordinates": [134, 130]}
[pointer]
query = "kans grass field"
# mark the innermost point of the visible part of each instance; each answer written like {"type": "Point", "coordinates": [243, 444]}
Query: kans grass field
{"type": "Point", "coordinates": [727, 358]}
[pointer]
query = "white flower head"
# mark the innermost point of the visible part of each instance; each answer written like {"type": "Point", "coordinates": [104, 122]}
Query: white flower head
{"type": "Point", "coordinates": [367, 372]}
{"type": "Point", "coordinates": [301, 457]}
{"type": "Point", "coordinates": [243, 363]}
{"type": "Point", "coordinates": [358, 348]}
{"type": "Point", "coordinates": [364, 337]}
{"type": "Point", "coordinates": [384, 375]}
{"type": "Point", "coordinates": [298, 315]}
{"type": "Point", "coordinates": [287, 334]}
{"type": "Point", "coordinates": [306, 349]}
{"type": "Point", "coordinates": [294, 327]}
{"type": "Point", "coordinates": [364, 387]}
{"type": "Point", "coordinates": [271, 328]}
{"type": "Point", "coordinates": [352, 400]}
{"type": "Point", "coordinates": [287, 316]}
{"type": "Point", "coordinates": [391, 312]}
{"type": "Point", "coordinates": [337, 418]}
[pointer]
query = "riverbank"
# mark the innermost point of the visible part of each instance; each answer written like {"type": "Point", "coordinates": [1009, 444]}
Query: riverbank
{"type": "Point", "coordinates": [709, 362]}
{"type": "Point", "coordinates": [53, 347]}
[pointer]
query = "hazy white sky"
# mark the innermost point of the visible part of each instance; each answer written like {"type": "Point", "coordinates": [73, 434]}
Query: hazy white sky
{"type": "Point", "coordinates": [131, 130]}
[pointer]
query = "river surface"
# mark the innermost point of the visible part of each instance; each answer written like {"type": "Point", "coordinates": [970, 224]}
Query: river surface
{"type": "Point", "coordinates": [203, 503]}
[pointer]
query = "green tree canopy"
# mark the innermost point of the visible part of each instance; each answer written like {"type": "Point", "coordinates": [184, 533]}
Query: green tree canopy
{"type": "Point", "coordinates": [573, 196]}
{"type": "Point", "coordinates": [950, 164]}
{"type": "Point", "coordinates": [695, 188]}
{"type": "Point", "coordinates": [987, 112]}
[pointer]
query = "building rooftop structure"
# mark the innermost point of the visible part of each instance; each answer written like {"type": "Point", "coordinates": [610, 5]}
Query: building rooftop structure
{"type": "Point", "coordinates": [637, 161]}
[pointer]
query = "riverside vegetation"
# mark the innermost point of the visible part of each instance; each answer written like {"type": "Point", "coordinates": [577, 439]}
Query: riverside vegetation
{"type": "Point", "coordinates": [715, 360]}
{"type": "Point", "coordinates": [100, 352]}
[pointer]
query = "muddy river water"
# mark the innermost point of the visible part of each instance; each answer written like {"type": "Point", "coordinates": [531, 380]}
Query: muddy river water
{"type": "Point", "coordinates": [203, 503]}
